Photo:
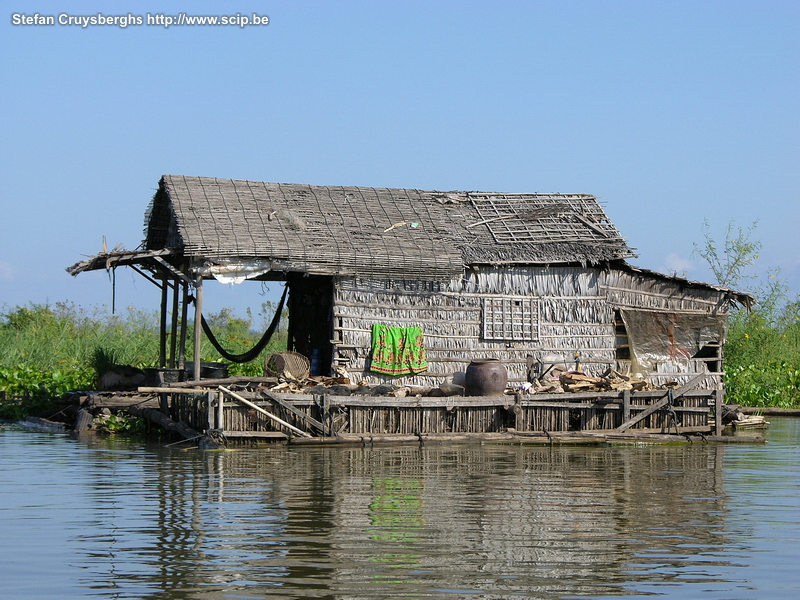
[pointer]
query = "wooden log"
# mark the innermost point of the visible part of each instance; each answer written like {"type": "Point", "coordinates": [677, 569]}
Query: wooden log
{"type": "Point", "coordinates": [159, 418]}
{"type": "Point", "coordinates": [268, 414]}
{"type": "Point", "coordinates": [171, 390]}
{"type": "Point", "coordinates": [222, 381]}
{"type": "Point", "coordinates": [519, 437]}
{"type": "Point", "coordinates": [41, 424]}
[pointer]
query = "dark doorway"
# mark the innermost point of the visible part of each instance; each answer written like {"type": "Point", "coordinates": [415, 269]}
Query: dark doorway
{"type": "Point", "coordinates": [311, 319]}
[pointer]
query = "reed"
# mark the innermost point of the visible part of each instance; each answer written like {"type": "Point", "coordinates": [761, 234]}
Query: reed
{"type": "Point", "coordinates": [48, 350]}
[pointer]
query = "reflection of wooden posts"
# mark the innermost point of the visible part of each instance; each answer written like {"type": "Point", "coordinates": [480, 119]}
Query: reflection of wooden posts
{"type": "Point", "coordinates": [198, 326]}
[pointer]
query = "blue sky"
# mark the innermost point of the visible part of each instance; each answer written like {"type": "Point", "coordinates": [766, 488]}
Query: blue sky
{"type": "Point", "coordinates": [672, 112]}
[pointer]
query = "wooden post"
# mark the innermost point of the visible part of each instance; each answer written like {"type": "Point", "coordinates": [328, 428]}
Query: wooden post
{"type": "Point", "coordinates": [184, 322]}
{"type": "Point", "coordinates": [626, 406]}
{"type": "Point", "coordinates": [173, 340]}
{"type": "Point", "coordinates": [198, 326]}
{"type": "Point", "coordinates": [326, 402]}
{"type": "Point", "coordinates": [162, 329]}
{"type": "Point", "coordinates": [210, 410]}
{"type": "Point", "coordinates": [220, 411]}
{"type": "Point", "coordinates": [719, 399]}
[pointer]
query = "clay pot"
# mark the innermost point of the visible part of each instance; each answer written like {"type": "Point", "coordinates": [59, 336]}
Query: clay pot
{"type": "Point", "coordinates": [485, 377]}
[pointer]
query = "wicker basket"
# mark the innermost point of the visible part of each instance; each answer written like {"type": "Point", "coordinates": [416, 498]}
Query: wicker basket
{"type": "Point", "coordinates": [291, 364]}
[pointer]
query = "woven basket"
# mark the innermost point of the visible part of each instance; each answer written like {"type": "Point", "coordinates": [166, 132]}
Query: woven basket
{"type": "Point", "coordinates": [291, 364]}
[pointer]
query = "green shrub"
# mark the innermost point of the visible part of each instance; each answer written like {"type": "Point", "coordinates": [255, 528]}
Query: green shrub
{"type": "Point", "coordinates": [46, 351]}
{"type": "Point", "coordinates": [762, 352]}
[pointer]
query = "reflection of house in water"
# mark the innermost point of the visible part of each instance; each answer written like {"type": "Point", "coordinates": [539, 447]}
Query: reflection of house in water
{"type": "Point", "coordinates": [498, 519]}
{"type": "Point", "coordinates": [332, 522]}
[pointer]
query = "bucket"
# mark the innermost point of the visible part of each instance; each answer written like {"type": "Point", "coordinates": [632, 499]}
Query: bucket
{"type": "Point", "coordinates": [208, 370]}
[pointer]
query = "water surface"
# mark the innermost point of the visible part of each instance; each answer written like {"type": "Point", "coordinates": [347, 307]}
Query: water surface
{"type": "Point", "coordinates": [95, 517]}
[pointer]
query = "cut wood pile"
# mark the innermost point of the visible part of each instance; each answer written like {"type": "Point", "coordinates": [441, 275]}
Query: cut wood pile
{"type": "Point", "coordinates": [341, 386]}
{"type": "Point", "coordinates": [556, 382]}
{"type": "Point", "coordinates": [559, 382]}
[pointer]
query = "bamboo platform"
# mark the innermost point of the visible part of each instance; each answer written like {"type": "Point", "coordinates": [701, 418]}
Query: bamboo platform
{"type": "Point", "coordinates": [589, 418]}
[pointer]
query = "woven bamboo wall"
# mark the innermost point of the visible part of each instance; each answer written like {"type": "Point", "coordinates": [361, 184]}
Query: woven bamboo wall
{"type": "Point", "coordinates": [451, 316]}
{"type": "Point", "coordinates": [573, 313]}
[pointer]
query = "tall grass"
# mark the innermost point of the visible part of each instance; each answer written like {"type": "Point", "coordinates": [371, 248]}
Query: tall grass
{"type": "Point", "coordinates": [46, 351]}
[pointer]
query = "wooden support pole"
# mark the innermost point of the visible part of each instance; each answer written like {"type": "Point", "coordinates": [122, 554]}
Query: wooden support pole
{"type": "Point", "coordinates": [719, 400]}
{"type": "Point", "coordinates": [198, 326]}
{"type": "Point", "coordinates": [626, 405]}
{"type": "Point", "coordinates": [173, 340]}
{"type": "Point", "coordinates": [184, 323]}
{"type": "Point", "coordinates": [220, 411]}
{"type": "Point", "coordinates": [268, 414]}
{"type": "Point", "coordinates": [162, 329]}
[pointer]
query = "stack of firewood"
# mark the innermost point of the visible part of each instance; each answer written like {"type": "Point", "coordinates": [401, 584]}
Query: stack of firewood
{"type": "Point", "coordinates": [575, 382]}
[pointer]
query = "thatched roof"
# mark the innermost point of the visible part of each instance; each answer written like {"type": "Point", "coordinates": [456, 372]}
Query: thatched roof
{"type": "Point", "coordinates": [375, 232]}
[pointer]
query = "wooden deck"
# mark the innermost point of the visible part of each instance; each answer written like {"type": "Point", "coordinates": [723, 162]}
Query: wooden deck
{"type": "Point", "coordinates": [302, 418]}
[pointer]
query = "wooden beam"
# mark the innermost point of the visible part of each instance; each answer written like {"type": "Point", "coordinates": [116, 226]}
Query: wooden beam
{"type": "Point", "coordinates": [172, 390]}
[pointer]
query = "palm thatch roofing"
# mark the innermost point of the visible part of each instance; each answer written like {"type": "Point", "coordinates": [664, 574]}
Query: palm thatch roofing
{"type": "Point", "coordinates": [375, 232]}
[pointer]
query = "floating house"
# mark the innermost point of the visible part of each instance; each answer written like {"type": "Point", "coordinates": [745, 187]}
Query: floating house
{"type": "Point", "coordinates": [533, 280]}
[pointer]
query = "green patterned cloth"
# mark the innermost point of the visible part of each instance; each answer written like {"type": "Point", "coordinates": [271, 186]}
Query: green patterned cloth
{"type": "Point", "coordinates": [398, 350]}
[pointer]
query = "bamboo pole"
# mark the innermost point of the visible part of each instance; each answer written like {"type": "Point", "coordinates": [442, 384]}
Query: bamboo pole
{"type": "Point", "coordinates": [198, 326]}
{"type": "Point", "coordinates": [184, 321]}
{"type": "Point", "coordinates": [220, 411]}
{"type": "Point", "coordinates": [162, 329]}
{"type": "Point", "coordinates": [173, 340]}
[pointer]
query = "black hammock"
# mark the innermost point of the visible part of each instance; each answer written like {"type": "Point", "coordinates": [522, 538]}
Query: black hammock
{"type": "Point", "coordinates": [255, 350]}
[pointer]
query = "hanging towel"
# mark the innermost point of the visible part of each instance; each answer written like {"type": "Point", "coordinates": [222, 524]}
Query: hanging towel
{"type": "Point", "coordinates": [398, 350]}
